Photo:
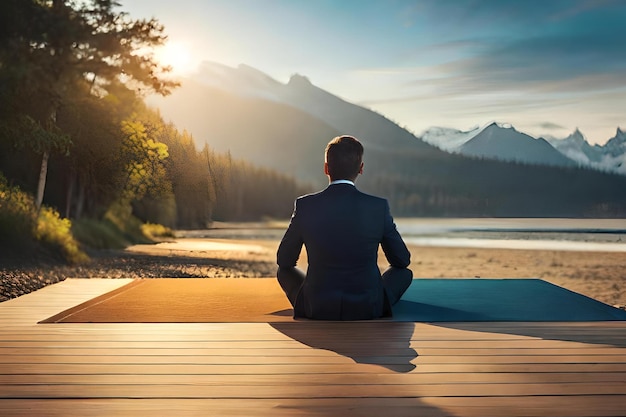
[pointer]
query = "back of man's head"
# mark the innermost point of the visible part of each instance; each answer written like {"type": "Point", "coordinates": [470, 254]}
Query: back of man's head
{"type": "Point", "coordinates": [344, 155]}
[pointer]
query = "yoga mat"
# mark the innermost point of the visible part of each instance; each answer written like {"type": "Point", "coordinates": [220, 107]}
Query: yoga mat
{"type": "Point", "coordinates": [182, 300]}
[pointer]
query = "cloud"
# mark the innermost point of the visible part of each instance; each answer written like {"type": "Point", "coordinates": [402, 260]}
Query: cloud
{"type": "Point", "coordinates": [505, 45]}
{"type": "Point", "coordinates": [550, 126]}
{"type": "Point", "coordinates": [480, 12]}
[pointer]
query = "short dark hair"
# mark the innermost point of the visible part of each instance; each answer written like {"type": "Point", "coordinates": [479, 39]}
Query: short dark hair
{"type": "Point", "coordinates": [344, 155]}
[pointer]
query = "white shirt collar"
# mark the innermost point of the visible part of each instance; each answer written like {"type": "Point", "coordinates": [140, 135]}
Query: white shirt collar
{"type": "Point", "coordinates": [342, 182]}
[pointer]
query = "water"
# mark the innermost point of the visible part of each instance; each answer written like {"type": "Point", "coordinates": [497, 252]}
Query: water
{"type": "Point", "coordinates": [540, 234]}
{"type": "Point", "coordinates": [607, 235]}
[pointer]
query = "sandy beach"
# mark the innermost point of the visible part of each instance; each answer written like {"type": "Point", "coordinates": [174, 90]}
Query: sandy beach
{"type": "Point", "coordinates": [599, 275]}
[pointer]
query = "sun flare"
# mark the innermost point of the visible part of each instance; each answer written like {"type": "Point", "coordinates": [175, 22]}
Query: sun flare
{"type": "Point", "coordinates": [177, 56]}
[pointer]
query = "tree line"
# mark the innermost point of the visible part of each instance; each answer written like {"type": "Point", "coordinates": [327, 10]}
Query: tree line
{"type": "Point", "coordinates": [437, 184]}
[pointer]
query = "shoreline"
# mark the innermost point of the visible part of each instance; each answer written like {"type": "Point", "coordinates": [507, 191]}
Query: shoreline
{"type": "Point", "coordinates": [598, 275]}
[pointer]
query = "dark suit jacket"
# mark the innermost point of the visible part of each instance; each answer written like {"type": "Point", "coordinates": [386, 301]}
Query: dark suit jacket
{"type": "Point", "coordinates": [342, 229]}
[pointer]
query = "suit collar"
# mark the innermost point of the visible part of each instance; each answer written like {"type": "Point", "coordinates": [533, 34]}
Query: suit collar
{"type": "Point", "coordinates": [342, 182]}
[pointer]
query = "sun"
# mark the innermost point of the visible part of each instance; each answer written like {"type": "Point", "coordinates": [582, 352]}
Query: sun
{"type": "Point", "coordinates": [176, 55]}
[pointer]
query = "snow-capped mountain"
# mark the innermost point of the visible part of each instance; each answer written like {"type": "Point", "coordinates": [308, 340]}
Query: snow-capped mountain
{"type": "Point", "coordinates": [446, 138]}
{"type": "Point", "coordinates": [617, 144]}
{"type": "Point", "coordinates": [608, 157]}
{"type": "Point", "coordinates": [576, 147]}
{"type": "Point", "coordinates": [499, 144]}
{"type": "Point", "coordinates": [506, 143]}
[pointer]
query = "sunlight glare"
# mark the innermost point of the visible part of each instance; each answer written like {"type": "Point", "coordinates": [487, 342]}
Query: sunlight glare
{"type": "Point", "coordinates": [176, 55]}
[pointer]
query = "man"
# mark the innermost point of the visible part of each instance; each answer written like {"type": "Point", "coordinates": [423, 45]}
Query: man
{"type": "Point", "coordinates": [342, 229]}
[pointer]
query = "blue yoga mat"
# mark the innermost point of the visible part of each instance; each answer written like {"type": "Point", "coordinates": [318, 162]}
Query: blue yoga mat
{"type": "Point", "coordinates": [448, 300]}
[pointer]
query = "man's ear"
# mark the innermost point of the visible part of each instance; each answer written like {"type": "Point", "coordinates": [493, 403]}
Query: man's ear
{"type": "Point", "coordinates": [361, 169]}
{"type": "Point", "coordinates": [326, 168]}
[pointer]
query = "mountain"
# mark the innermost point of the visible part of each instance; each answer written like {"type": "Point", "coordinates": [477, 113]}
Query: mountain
{"type": "Point", "coordinates": [506, 143]}
{"type": "Point", "coordinates": [373, 129]}
{"type": "Point", "coordinates": [615, 153]}
{"type": "Point", "coordinates": [286, 127]}
{"type": "Point", "coordinates": [576, 147]}
{"type": "Point", "coordinates": [266, 132]}
{"type": "Point", "coordinates": [609, 157]}
{"type": "Point", "coordinates": [616, 146]}
{"type": "Point", "coordinates": [446, 138]}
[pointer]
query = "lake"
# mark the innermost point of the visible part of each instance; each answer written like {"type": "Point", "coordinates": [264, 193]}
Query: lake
{"type": "Point", "coordinates": [508, 233]}
{"type": "Point", "coordinates": [523, 233]}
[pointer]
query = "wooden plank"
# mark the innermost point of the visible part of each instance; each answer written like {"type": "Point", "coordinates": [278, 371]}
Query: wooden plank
{"type": "Point", "coordinates": [535, 406]}
{"type": "Point", "coordinates": [415, 331]}
{"type": "Point", "coordinates": [309, 391]}
{"type": "Point", "coordinates": [352, 368]}
{"type": "Point", "coordinates": [313, 379]}
{"type": "Point", "coordinates": [156, 333]}
{"type": "Point", "coordinates": [441, 345]}
{"type": "Point", "coordinates": [298, 351]}
{"type": "Point", "coordinates": [268, 359]}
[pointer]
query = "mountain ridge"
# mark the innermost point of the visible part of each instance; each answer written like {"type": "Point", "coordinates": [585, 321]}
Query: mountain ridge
{"type": "Point", "coordinates": [610, 157]}
{"type": "Point", "coordinates": [506, 143]}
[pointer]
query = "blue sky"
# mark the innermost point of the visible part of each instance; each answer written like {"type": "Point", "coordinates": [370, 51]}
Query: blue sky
{"type": "Point", "coordinates": [545, 66]}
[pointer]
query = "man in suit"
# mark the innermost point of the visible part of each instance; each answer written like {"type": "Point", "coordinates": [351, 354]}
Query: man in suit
{"type": "Point", "coordinates": [342, 229]}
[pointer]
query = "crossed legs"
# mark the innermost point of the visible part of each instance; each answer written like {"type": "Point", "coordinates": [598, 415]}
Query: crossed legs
{"type": "Point", "coordinates": [395, 280]}
{"type": "Point", "coordinates": [290, 280]}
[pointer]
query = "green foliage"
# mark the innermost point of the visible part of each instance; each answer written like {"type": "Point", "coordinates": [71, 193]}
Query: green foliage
{"type": "Point", "coordinates": [25, 131]}
{"type": "Point", "coordinates": [244, 192]}
{"type": "Point", "coordinates": [120, 215]}
{"type": "Point", "coordinates": [144, 170]}
{"type": "Point", "coordinates": [99, 234]}
{"type": "Point", "coordinates": [113, 232]}
{"type": "Point", "coordinates": [24, 229]}
{"type": "Point", "coordinates": [55, 55]}
{"type": "Point", "coordinates": [156, 231]}
{"type": "Point", "coordinates": [192, 186]}
{"type": "Point", "coordinates": [159, 209]}
{"type": "Point", "coordinates": [17, 218]}
{"type": "Point", "coordinates": [56, 233]}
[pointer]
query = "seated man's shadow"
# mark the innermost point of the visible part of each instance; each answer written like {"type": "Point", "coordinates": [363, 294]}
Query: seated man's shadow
{"type": "Point", "coordinates": [383, 343]}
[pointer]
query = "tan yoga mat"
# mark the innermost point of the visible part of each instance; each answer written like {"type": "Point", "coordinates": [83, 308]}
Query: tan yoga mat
{"type": "Point", "coordinates": [211, 300]}
{"type": "Point", "coordinates": [185, 300]}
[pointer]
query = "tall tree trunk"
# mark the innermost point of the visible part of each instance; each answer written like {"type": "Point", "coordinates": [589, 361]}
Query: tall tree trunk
{"type": "Point", "coordinates": [69, 194]}
{"type": "Point", "coordinates": [80, 200]}
{"type": "Point", "coordinates": [43, 173]}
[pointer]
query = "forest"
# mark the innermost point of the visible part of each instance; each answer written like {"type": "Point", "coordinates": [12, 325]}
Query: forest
{"type": "Point", "coordinates": [82, 157]}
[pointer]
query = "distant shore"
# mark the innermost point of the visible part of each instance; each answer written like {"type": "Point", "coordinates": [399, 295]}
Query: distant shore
{"type": "Point", "coordinates": [598, 275]}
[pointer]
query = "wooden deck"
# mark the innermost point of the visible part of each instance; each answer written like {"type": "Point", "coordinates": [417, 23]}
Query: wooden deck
{"type": "Point", "coordinates": [301, 368]}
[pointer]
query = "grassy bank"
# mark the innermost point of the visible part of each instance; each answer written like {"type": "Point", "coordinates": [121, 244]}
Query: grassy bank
{"type": "Point", "coordinates": [29, 234]}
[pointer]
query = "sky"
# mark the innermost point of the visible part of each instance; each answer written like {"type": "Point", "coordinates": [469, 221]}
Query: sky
{"type": "Point", "coordinates": [546, 67]}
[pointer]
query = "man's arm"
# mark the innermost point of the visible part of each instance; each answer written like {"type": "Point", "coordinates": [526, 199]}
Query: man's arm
{"type": "Point", "coordinates": [393, 246]}
{"type": "Point", "coordinates": [291, 243]}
